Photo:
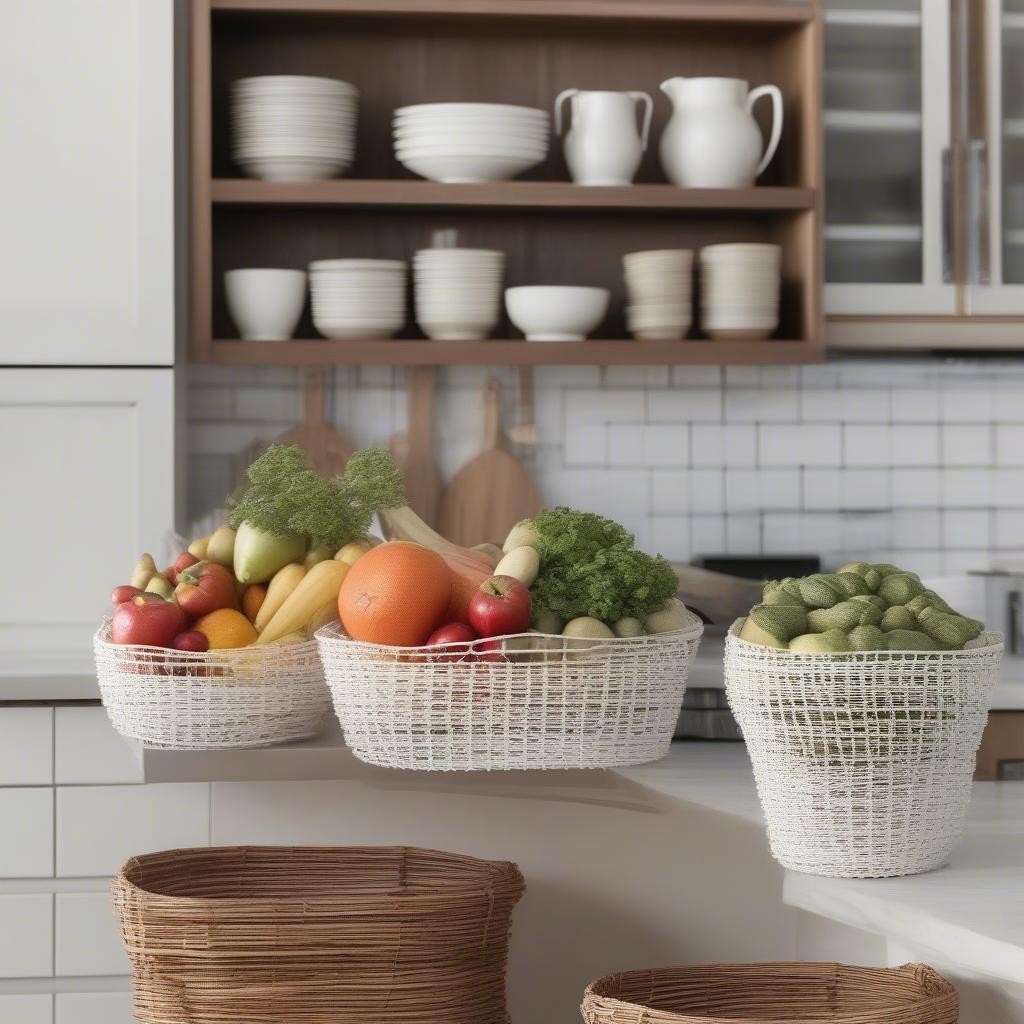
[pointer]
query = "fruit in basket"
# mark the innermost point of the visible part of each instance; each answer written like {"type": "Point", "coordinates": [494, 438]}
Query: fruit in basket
{"type": "Point", "coordinates": [317, 588]}
{"type": "Point", "coordinates": [147, 621]}
{"type": "Point", "coordinates": [205, 587]}
{"type": "Point", "coordinates": [501, 605]}
{"type": "Point", "coordinates": [459, 635]}
{"type": "Point", "coordinates": [178, 566]}
{"type": "Point", "coordinates": [252, 600]}
{"type": "Point", "coordinates": [588, 628]}
{"type": "Point", "coordinates": [351, 552]}
{"type": "Point", "coordinates": [161, 586]}
{"type": "Point", "coordinates": [123, 593]}
{"type": "Point", "coordinates": [671, 615]}
{"type": "Point", "coordinates": [629, 627]}
{"type": "Point", "coordinates": [395, 595]}
{"type": "Point", "coordinates": [548, 622]}
{"type": "Point", "coordinates": [320, 554]}
{"type": "Point", "coordinates": [221, 547]}
{"type": "Point", "coordinates": [521, 563]}
{"type": "Point", "coordinates": [225, 629]}
{"type": "Point", "coordinates": [830, 642]}
{"type": "Point", "coordinates": [143, 572]}
{"type": "Point", "coordinates": [284, 582]}
{"type": "Point", "coordinates": [325, 614]}
{"type": "Point", "coordinates": [259, 553]}
{"type": "Point", "coordinates": [523, 535]}
{"type": "Point", "coordinates": [199, 548]}
{"type": "Point", "coordinates": [191, 640]}
{"type": "Point", "coordinates": [466, 580]}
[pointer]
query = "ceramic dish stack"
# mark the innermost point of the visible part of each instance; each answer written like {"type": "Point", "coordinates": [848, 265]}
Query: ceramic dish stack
{"type": "Point", "coordinates": [355, 298]}
{"type": "Point", "coordinates": [660, 288]}
{"type": "Point", "coordinates": [293, 127]}
{"type": "Point", "coordinates": [739, 290]}
{"type": "Point", "coordinates": [470, 142]}
{"type": "Point", "coordinates": [458, 292]}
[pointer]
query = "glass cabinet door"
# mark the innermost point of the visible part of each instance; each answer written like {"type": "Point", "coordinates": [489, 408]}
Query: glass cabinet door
{"type": "Point", "coordinates": [887, 136]}
{"type": "Point", "coordinates": [994, 105]}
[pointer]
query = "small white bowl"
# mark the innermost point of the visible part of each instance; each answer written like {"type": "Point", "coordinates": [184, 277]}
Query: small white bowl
{"type": "Point", "coordinates": [556, 312]}
{"type": "Point", "coordinates": [265, 303]}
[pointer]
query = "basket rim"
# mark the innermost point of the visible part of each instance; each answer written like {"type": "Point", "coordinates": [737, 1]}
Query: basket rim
{"type": "Point", "coordinates": [937, 990]}
{"type": "Point", "coordinates": [491, 874]}
{"type": "Point", "coordinates": [102, 642]}
{"type": "Point", "coordinates": [333, 634]}
{"type": "Point", "coordinates": [994, 645]}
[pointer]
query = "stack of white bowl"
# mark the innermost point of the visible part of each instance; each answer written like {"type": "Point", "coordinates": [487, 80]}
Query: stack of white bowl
{"type": "Point", "coordinates": [659, 283]}
{"type": "Point", "coordinates": [458, 292]}
{"type": "Point", "coordinates": [739, 290]}
{"type": "Point", "coordinates": [358, 298]}
{"type": "Point", "coordinates": [470, 142]}
{"type": "Point", "coordinates": [293, 127]}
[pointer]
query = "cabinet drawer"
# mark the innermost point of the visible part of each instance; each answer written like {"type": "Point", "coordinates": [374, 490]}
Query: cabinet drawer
{"type": "Point", "coordinates": [26, 839]}
{"type": "Point", "coordinates": [88, 941]}
{"type": "Point", "coordinates": [26, 746]}
{"type": "Point", "coordinates": [26, 940]}
{"type": "Point", "coordinates": [100, 827]}
{"type": "Point", "coordinates": [88, 750]}
{"type": "Point", "coordinates": [94, 1008]}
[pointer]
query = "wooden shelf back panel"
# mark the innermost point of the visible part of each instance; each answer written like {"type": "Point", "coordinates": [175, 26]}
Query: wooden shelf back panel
{"type": "Point", "coordinates": [512, 353]}
{"type": "Point", "coordinates": [549, 195]}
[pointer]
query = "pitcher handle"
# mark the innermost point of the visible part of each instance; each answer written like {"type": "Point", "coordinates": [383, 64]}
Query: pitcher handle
{"type": "Point", "coordinates": [559, 99]}
{"type": "Point", "coordinates": [645, 131]}
{"type": "Point", "coordinates": [773, 141]}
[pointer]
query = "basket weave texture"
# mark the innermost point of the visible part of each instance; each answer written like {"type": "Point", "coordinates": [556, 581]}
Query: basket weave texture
{"type": "Point", "coordinates": [556, 703]}
{"type": "Point", "coordinates": [863, 761]}
{"type": "Point", "coordinates": [773, 993]}
{"type": "Point", "coordinates": [317, 935]}
{"type": "Point", "coordinates": [181, 700]}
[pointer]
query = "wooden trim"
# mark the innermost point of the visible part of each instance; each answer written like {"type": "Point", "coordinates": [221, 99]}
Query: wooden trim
{"type": "Point", "coordinates": [200, 162]}
{"type": "Point", "coordinates": [646, 10]}
{"type": "Point", "coordinates": [925, 334]}
{"type": "Point", "coordinates": [511, 353]}
{"type": "Point", "coordinates": [505, 194]}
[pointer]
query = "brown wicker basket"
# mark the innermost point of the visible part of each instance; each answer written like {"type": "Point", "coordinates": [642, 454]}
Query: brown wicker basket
{"type": "Point", "coordinates": [307, 935]}
{"type": "Point", "coordinates": [773, 993]}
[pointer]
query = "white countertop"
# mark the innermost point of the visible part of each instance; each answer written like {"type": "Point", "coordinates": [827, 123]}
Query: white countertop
{"type": "Point", "coordinates": [970, 912]}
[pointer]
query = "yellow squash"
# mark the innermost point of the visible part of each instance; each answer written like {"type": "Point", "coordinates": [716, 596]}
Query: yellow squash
{"type": "Point", "coordinates": [280, 587]}
{"type": "Point", "coordinates": [319, 586]}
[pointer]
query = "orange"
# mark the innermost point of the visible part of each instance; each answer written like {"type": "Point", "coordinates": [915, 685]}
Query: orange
{"type": "Point", "coordinates": [396, 595]}
{"type": "Point", "coordinates": [252, 600]}
{"type": "Point", "coordinates": [226, 628]}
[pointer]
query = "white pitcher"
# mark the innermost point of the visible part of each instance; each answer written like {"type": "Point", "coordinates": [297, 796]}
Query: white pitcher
{"type": "Point", "coordinates": [712, 139]}
{"type": "Point", "coordinates": [603, 146]}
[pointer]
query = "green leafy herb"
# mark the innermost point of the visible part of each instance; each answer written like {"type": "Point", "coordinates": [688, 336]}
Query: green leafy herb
{"type": "Point", "coordinates": [589, 566]}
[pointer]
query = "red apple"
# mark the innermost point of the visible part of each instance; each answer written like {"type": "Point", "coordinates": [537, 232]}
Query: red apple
{"type": "Point", "coordinates": [491, 650]}
{"type": "Point", "coordinates": [191, 640]}
{"type": "Point", "coordinates": [180, 564]}
{"type": "Point", "coordinates": [146, 622]}
{"type": "Point", "coordinates": [501, 605]}
{"type": "Point", "coordinates": [123, 593]}
{"type": "Point", "coordinates": [459, 635]}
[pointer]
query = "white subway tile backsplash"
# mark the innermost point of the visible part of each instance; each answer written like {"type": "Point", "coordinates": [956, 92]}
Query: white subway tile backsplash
{"type": "Point", "coordinates": [707, 490]}
{"type": "Point", "coordinates": [964, 488]}
{"type": "Point", "coordinates": [916, 488]}
{"type": "Point", "coordinates": [27, 1009]}
{"type": "Point", "coordinates": [698, 376]}
{"type": "Point", "coordinates": [752, 405]}
{"type": "Point", "coordinates": [591, 405]}
{"type": "Point", "coordinates": [88, 942]}
{"type": "Point", "coordinates": [1009, 528]}
{"type": "Point", "coordinates": [753, 490]}
{"type": "Point", "coordinates": [670, 492]}
{"type": "Point", "coordinates": [26, 938]}
{"type": "Point", "coordinates": [914, 405]}
{"type": "Point", "coordinates": [963, 403]}
{"type": "Point", "coordinates": [669, 537]}
{"type": "Point", "coordinates": [1010, 442]}
{"type": "Point", "coordinates": [916, 528]}
{"type": "Point", "coordinates": [586, 444]}
{"type": "Point", "coordinates": [94, 1008]}
{"type": "Point", "coordinates": [707, 535]}
{"type": "Point", "coordinates": [799, 445]}
{"type": "Point", "coordinates": [864, 489]}
{"type": "Point", "coordinates": [684, 405]}
{"type": "Point", "coordinates": [26, 836]}
{"type": "Point", "coordinates": [1007, 489]}
{"type": "Point", "coordinates": [89, 750]}
{"type": "Point", "coordinates": [657, 444]}
{"type": "Point", "coordinates": [723, 445]}
{"type": "Point", "coordinates": [26, 746]}
{"type": "Point", "coordinates": [822, 489]}
{"type": "Point", "coordinates": [742, 534]}
{"type": "Point", "coordinates": [636, 376]}
{"type": "Point", "coordinates": [847, 405]}
{"type": "Point", "coordinates": [912, 446]}
{"type": "Point", "coordinates": [966, 528]}
{"type": "Point", "coordinates": [966, 444]}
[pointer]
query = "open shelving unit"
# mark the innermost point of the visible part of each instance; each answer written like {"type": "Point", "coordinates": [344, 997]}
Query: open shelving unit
{"type": "Point", "coordinates": [552, 231]}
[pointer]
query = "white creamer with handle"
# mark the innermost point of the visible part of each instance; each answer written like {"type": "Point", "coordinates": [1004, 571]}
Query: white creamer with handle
{"type": "Point", "coordinates": [603, 145]}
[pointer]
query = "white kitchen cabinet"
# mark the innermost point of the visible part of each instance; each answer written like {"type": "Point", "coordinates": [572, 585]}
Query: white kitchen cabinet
{"type": "Point", "coordinates": [87, 749]}
{"type": "Point", "coordinates": [887, 146]}
{"type": "Point", "coordinates": [26, 838]}
{"type": "Point", "coordinates": [88, 942]}
{"type": "Point", "coordinates": [26, 938]}
{"type": "Point", "coordinates": [88, 476]}
{"type": "Point", "coordinates": [94, 1008]}
{"type": "Point", "coordinates": [26, 746]}
{"type": "Point", "coordinates": [87, 136]}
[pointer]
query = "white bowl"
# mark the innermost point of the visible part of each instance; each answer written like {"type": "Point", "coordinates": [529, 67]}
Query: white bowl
{"type": "Point", "coordinates": [265, 303]}
{"type": "Point", "coordinates": [458, 330]}
{"type": "Point", "coordinates": [292, 169]}
{"type": "Point", "coordinates": [492, 109]}
{"type": "Point", "coordinates": [556, 312]}
{"type": "Point", "coordinates": [468, 169]}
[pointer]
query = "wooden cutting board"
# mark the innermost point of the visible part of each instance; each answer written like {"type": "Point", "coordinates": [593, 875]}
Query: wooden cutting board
{"type": "Point", "coordinates": [414, 450]}
{"type": "Point", "coordinates": [492, 492]}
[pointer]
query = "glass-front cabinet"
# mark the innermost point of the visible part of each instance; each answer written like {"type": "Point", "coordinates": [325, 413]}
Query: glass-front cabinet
{"type": "Point", "coordinates": [887, 158]}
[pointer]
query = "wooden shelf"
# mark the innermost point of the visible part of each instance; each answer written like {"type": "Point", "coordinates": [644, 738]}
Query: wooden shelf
{"type": "Point", "coordinates": [510, 353]}
{"type": "Point", "coordinates": [766, 12]}
{"type": "Point", "coordinates": [548, 195]}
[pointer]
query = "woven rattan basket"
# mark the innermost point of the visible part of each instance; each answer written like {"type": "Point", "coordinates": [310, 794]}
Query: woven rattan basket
{"type": "Point", "coordinates": [181, 700]}
{"type": "Point", "coordinates": [773, 993]}
{"type": "Point", "coordinates": [317, 935]}
{"type": "Point", "coordinates": [863, 761]}
{"type": "Point", "coordinates": [548, 702]}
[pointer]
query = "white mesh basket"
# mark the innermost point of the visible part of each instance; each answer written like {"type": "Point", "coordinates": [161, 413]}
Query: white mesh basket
{"type": "Point", "coordinates": [179, 700]}
{"type": "Point", "coordinates": [547, 702]}
{"type": "Point", "coordinates": [863, 761]}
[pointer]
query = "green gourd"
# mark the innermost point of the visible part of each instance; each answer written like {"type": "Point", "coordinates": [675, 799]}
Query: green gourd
{"type": "Point", "coordinates": [782, 621]}
{"type": "Point", "coordinates": [754, 634]}
{"type": "Point", "coordinates": [899, 588]}
{"type": "Point", "coordinates": [872, 599]}
{"type": "Point", "coordinates": [867, 638]}
{"type": "Point", "coordinates": [816, 592]}
{"type": "Point", "coordinates": [832, 641]}
{"type": "Point", "coordinates": [950, 631]}
{"type": "Point", "coordinates": [866, 572]}
{"type": "Point", "coordinates": [846, 615]}
{"type": "Point", "coordinates": [849, 583]}
{"type": "Point", "coordinates": [898, 617]}
{"type": "Point", "coordinates": [775, 593]}
{"type": "Point", "coordinates": [909, 640]}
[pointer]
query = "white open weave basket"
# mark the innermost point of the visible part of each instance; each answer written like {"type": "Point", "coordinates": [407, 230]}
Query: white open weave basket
{"type": "Point", "coordinates": [571, 704]}
{"type": "Point", "coordinates": [179, 700]}
{"type": "Point", "coordinates": [863, 761]}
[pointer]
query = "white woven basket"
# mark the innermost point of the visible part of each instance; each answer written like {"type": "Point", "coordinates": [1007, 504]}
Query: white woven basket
{"type": "Point", "coordinates": [574, 704]}
{"type": "Point", "coordinates": [178, 700]}
{"type": "Point", "coordinates": [863, 761]}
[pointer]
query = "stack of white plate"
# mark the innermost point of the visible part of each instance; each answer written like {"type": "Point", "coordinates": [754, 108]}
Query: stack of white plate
{"type": "Point", "coordinates": [659, 285]}
{"type": "Point", "coordinates": [458, 292]}
{"type": "Point", "coordinates": [470, 142]}
{"type": "Point", "coordinates": [358, 298]}
{"type": "Point", "coordinates": [739, 290]}
{"type": "Point", "coordinates": [293, 127]}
